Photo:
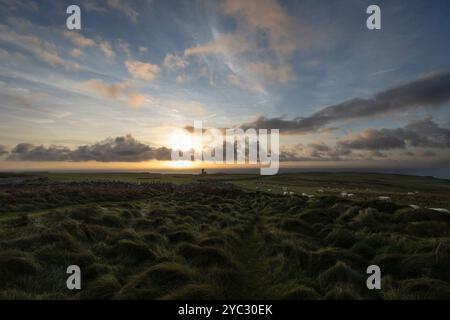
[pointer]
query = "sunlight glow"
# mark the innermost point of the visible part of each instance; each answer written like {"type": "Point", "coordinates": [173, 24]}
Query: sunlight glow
{"type": "Point", "coordinates": [181, 140]}
{"type": "Point", "coordinates": [180, 164]}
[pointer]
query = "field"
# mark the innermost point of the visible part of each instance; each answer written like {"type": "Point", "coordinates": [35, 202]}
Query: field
{"type": "Point", "coordinates": [218, 236]}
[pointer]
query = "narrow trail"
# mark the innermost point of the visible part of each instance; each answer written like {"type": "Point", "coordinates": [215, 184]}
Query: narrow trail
{"type": "Point", "coordinates": [255, 269]}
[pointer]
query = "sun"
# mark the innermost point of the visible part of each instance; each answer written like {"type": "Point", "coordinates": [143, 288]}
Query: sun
{"type": "Point", "coordinates": [181, 139]}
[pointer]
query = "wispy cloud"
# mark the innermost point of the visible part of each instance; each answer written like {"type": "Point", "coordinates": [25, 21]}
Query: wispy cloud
{"type": "Point", "coordinates": [41, 49]}
{"type": "Point", "coordinates": [120, 6]}
{"type": "Point", "coordinates": [79, 39]}
{"type": "Point", "coordinates": [222, 44]}
{"type": "Point", "coordinates": [173, 61]}
{"type": "Point", "coordinates": [106, 48]}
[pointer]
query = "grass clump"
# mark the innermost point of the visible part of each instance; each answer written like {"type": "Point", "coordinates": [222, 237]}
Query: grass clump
{"type": "Point", "coordinates": [102, 288]}
{"type": "Point", "coordinates": [301, 293]}
{"type": "Point", "coordinates": [134, 250]}
{"type": "Point", "coordinates": [193, 292]}
{"type": "Point", "coordinates": [324, 259]}
{"type": "Point", "coordinates": [427, 288]}
{"type": "Point", "coordinates": [340, 273]}
{"type": "Point", "coordinates": [14, 263]}
{"type": "Point", "coordinates": [340, 238]}
{"type": "Point", "coordinates": [157, 281]}
{"type": "Point", "coordinates": [181, 236]}
{"type": "Point", "coordinates": [425, 229]}
{"type": "Point", "coordinates": [344, 292]}
{"type": "Point", "coordinates": [204, 256]}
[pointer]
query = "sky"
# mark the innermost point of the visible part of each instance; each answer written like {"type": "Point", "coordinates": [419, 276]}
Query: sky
{"type": "Point", "coordinates": [111, 95]}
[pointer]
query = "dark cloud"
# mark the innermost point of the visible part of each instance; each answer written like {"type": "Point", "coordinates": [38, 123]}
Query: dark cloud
{"type": "Point", "coordinates": [120, 149]}
{"type": "Point", "coordinates": [423, 133]}
{"type": "Point", "coordinates": [3, 150]}
{"type": "Point", "coordinates": [372, 139]}
{"type": "Point", "coordinates": [378, 154]}
{"type": "Point", "coordinates": [315, 152]}
{"type": "Point", "coordinates": [30, 152]}
{"type": "Point", "coordinates": [430, 91]}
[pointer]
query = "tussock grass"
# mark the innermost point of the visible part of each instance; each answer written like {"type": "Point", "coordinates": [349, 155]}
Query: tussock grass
{"type": "Point", "coordinates": [15, 263]}
{"type": "Point", "coordinates": [345, 292]}
{"type": "Point", "coordinates": [324, 259]}
{"type": "Point", "coordinates": [133, 250]}
{"type": "Point", "coordinates": [198, 242]}
{"type": "Point", "coordinates": [193, 292]}
{"type": "Point", "coordinates": [342, 274]}
{"type": "Point", "coordinates": [340, 238]}
{"type": "Point", "coordinates": [104, 287]}
{"type": "Point", "coordinates": [205, 256]}
{"type": "Point", "coordinates": [181, 236]}
{"type": "Point", "coordinates": [301, 293]}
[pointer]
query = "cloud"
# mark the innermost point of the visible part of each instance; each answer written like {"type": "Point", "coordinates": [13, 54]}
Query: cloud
{"type": "Point", "coordinates": [106, 48]}
{"type": "Point", "coordinates": [76, 53]}
{"type": "Point", "coordinates": [120, 6]}
{"type": "Point", "coordinates": [84, 42]}
{"type": "Point", "coordinates": [237, 81]}
{"type": "Point", "coordinates": [281, 74]}
{"type": "Point", "coordinates": [267, 17]}
{"type": "Point", "coordinates": [430, 91]}
{"type": "Point", "coordinates": [135, 100]}
{"type": "Point", "coordinates": [372, 139]}
{"type": "Point", "coordinates": [318, 151]}
{"type": "Point", "coordinates": [119, 149]}
{"type": "Point", "coordinates": [30, 152]}
{"type": "Point", "coordinates": [142, 70]}
{"type": "Point", "coordinates": [222, 44]}
{"type": "Point", "coordinates": [188, 108]}
{"type": "Point", "coordinates": [181, 78]}
{"type": "Point", "coordinates": [19, 5]}
{"type": "Point", "coordinates": [259, 50]}
{"type": "Point", "coordinates": [3, 150]}
{"type": "Point", "coordinates": [93, 5]}
{"type": "Point", "coordinates": [78, 39]}
{"type": "Point", "coordinates": [4, 54]}
{"type": "Point", "coordinates": [41, 49]}
{"type": "Point", "coordinates": [123, 46]}
{"type": "Point", "coordinates": [423, 133]}
{"type": "Point", "coordinates": [378, 154]}
{"type": "Point", "coordinates": [124, 7]}
{"type": "Point", "coordinates": [14, 97]}
{"type": "Point", "coordinates": [173, 61]}
{"type": "Point", "coordinates": [121, 92]}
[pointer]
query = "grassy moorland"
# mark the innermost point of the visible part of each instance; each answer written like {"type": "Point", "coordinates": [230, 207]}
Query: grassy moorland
{"type": "Point", "coordinates": [148, 236]}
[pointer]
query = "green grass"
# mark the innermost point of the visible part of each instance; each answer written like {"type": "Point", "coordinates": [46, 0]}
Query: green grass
{"type": "Point", "coordinates": [210, 241]}
{"type": "Point", "coordinates": [403, 189]}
